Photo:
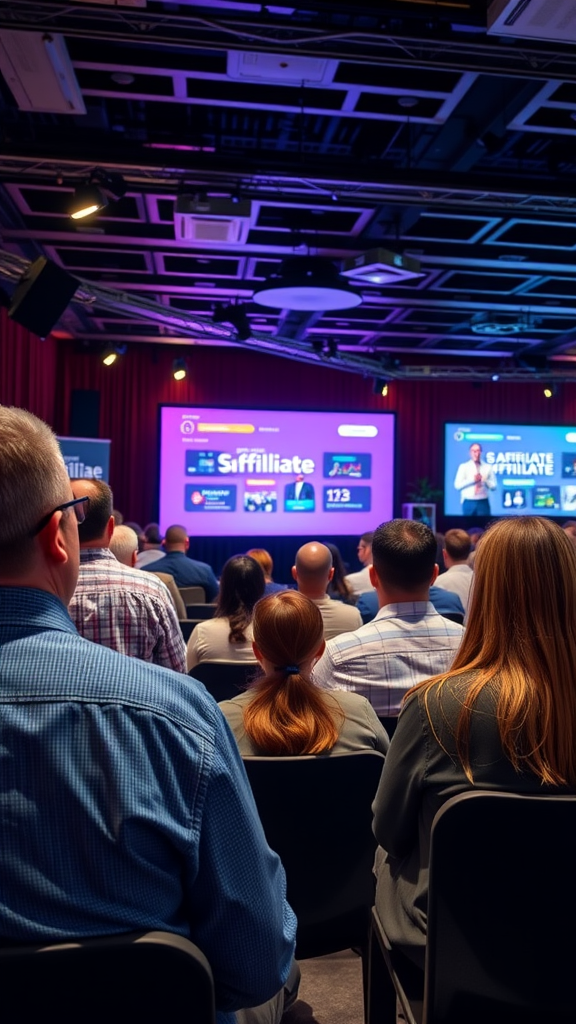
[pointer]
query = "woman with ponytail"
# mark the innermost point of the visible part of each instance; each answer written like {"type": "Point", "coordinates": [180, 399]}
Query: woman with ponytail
{"type": "Point", "coordinates": [283, 713]}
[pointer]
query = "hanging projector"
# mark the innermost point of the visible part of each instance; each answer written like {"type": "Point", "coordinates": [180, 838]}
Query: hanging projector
{"type": "Point", "coordinates": [307, 283]}
{"type": "Point", "coordinates": [379, 266]}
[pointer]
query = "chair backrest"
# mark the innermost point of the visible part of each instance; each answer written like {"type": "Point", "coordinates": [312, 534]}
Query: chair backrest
{"type": "Point", "coordinates": [200, 611]}
{"type": "Point", "coordinates": [187, 627]}
{"type": "Point", "coordinates": [501, 940]}
{"type": "Point", "coordinates": [193, 595]}
{"type": "Point", "coordinates": [317, 815]}
{"type": "Point", "coordinates": [146, 977]}
{"type": "Point", "coordinates": [174, 592]}
{"type": "Point", "coordinates": [225, 679]}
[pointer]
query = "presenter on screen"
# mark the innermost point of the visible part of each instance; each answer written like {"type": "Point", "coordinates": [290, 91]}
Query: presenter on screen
{"type": "Point", "coordinates": [474, 479]}
{"type": "Point", "coordinates": [300, 490]}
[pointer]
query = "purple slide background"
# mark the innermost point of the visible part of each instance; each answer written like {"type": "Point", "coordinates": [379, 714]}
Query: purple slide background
{"type": "Point", "coordinates": [288, 434]}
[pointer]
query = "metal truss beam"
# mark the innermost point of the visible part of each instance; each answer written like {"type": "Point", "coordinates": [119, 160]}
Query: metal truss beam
{"type": "Point", "coordinates": [282, 34]}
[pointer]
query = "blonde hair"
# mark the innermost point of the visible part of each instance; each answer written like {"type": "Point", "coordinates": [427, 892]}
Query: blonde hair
{"type": "Point", "coordinates": [288, 714]}
{"type": "Point", "coordinates": [521, 642]}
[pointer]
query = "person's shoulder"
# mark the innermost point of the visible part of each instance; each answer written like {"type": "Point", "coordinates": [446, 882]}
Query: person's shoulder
{"type": "Point", "coordinates": [104, 676]}
{"type": "Point", "coordinates": [203, 566]}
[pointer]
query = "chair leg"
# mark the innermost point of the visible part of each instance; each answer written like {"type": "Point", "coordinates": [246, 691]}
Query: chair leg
{"type": "Point", "coordinates": [379, 993]}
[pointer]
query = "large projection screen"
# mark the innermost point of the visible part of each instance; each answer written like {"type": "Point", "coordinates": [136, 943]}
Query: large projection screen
{"type": "Point", "coordinates": [266, 473]}
{"type": "Point", "coordinates": [534, 467]}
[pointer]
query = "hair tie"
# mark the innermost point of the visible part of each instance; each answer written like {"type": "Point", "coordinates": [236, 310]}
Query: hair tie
{"type": "Point", "coordinates": [290, 670]}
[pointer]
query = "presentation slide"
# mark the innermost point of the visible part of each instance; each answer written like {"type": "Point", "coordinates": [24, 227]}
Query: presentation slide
{"type": "Point", "coordinates": [263, 473]}
{"type": "Point", "coordinates": [522, 470]}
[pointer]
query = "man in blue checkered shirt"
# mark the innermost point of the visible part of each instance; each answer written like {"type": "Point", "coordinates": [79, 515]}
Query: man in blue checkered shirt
{"type": "Point", "coordinates": [123, 800]}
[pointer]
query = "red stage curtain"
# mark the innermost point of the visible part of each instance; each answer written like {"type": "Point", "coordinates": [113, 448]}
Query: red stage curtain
{"type": "Point", "coordinates": [28, 369]}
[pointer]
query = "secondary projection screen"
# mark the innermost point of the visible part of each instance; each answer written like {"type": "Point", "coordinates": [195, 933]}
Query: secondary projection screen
{"type": "Point", "coordinates": [263, 473]}
{"type": "Point", "coordinates": [534, 468]}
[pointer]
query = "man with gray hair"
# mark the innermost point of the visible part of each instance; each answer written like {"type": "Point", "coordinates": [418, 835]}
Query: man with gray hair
{"type": "Point", "coordinates": [124, 802]}
{"type": "Point", "coordinates": [117, 605]}
{"type": "Point", "coordinates": [313, 571]}
{"type": "Point", "coordinates": [124, 545]}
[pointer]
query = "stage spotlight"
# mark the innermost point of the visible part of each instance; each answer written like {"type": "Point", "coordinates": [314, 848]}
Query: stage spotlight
{"type": "Point", "coordinates": [179, 369]}
{"type": "Point", "coordinates": [111, 354]}
{"type": "Point", "coordinates": [96, 193]}
{"type": "Point", "coordinates": [88, 199]}
{"type": "Point", "coordinates": [549, 390]}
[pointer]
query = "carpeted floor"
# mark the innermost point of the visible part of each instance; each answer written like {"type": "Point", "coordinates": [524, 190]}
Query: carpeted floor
{"type": "Point", "coordinates": [330, 991]}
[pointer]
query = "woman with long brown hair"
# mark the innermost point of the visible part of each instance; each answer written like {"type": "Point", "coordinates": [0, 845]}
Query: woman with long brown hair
{"type": "Point", "coordinates": [283, 712]}
{"type": "Point", "coordinates": [503, 717]}
{"type": "Point", "coordinates": [228, 635]}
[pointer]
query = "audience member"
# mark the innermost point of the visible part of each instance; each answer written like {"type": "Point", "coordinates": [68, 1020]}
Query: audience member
{"type": "Point", "coordinates": [152, 550]}
{"type": "Point", "coordinates": [228, 636]}
{"type": "Point", "coordinates": [264, 559]}
{"type": "Point", "coordinates": [458, 576]}
{"type": "Point", "coordinates": [338, 588]}
{"type": "Point", "coordinates": [360, 582]}
{"type": "Point", "coordinates": [502, 718]}
{"type": "Point", "coordinates": [384, 658]}
{"type": "Point", "coordinates": [283, 713]}
{"type": "Point", "coordinates": [313, 571]}
{"type": "Point", "coordinates": [118, 517]}
{"type": "Point", "coordinates": [186, 571]}
{"type": "Point", "coordinates": [115, 605]}
{"type": "Point", "coordinates": [124, 801]}
{"type": "Point", "coordinates": [124, 545]}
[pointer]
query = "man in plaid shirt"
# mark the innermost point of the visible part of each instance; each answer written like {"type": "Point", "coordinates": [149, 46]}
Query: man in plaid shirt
{"type": "Point", "coordinates": [114, 605]}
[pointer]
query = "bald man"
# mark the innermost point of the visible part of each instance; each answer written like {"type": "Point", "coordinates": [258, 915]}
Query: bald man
{"type": "Point", "coordinates": [313, 571]}
{"type": "Point", "coordinates": [185, 571]}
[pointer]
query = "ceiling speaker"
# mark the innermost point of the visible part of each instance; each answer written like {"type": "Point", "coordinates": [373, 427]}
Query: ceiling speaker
{"type": "Point", "coordinates": [41, 296]}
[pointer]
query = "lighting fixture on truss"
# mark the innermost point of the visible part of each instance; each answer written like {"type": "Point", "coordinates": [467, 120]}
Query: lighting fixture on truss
{"type": "Point", "coordinates": [112, 354]}
{"type": "Point", "coordinates": [96, 193]}
{"type": "Point", "coordinates": [179, 369]}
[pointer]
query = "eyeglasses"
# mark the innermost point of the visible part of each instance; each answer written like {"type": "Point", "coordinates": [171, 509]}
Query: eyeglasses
{"type": "Point", "coordinates": [80, 506]}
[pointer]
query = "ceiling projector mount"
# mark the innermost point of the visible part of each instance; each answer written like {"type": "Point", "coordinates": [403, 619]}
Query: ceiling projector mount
{"type": "Point", "coordinates": [307, 283]}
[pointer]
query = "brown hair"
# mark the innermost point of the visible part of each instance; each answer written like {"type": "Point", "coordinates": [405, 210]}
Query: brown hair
{"type": "Point", "coordinates": [404, 553]}
{"type": "Point", "coordinates": [458, 544]}
{"type": "Point", "coordinates": [521, 642]}
{"type": "Point", "coordinates": [288, 714]}
{"type": "Point", "coordinates": [242, 583]}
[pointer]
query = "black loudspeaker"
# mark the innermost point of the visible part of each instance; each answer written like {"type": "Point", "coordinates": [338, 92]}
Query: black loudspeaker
{"type": "Point", "coordinates": [41, 296]}
{"type": "Point", "coordinates": [84, 413]}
